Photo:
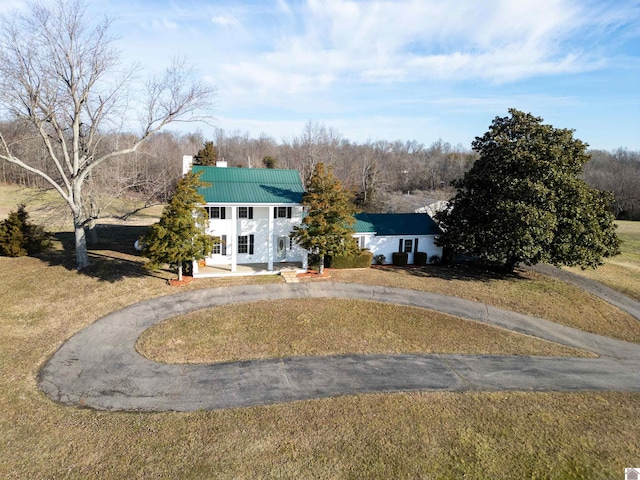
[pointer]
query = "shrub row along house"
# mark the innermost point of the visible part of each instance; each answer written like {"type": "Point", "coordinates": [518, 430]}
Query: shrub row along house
{"type": "Point", "coordinates": [253, 211]}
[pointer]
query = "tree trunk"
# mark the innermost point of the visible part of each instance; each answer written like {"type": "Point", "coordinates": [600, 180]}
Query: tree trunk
{"type": "Point", "coordinates": [180, 271]}
{"type": "Point", "coordinates": [510, 265]}
{"type": "Point", "coordinates": [93, 232]}
{"type": "Point", "coordinates": [321, 265]}
{"type": "Point", "coordinates": [82, 258]}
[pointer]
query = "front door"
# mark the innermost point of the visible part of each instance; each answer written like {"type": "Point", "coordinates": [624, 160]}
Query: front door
{"type": "Point", "coordinates": [281, 248]}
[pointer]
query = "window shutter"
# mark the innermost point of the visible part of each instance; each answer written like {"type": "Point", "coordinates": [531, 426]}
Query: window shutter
{"type": "Point", "coordinates": [251, 243]}
{"type": "Point", "coordinates": [415, 248]}
{"type": "Point", "coordinates": [400, 245]}
{"type": "Point", "coordinates": [223, 245]}
{"type": "Point", "coordinates": [288, 212]}
{"type": "Point", "coordinates": [275, 212]}
{"type": "Point", "coordinates": [223, 211]}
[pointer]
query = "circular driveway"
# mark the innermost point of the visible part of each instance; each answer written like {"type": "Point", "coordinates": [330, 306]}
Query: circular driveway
{"type": "Point", "coordinates": [100, 368]}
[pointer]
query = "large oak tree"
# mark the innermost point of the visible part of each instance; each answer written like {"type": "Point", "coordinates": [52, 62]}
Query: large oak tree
{"type": "Point", "coordinates": [524, 199]}
{"type": "Point", "coordinates": [61, 77]}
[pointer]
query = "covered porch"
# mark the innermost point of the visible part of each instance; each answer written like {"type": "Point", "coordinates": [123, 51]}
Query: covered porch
{"type": "Point", "coordinates": [246, 269]}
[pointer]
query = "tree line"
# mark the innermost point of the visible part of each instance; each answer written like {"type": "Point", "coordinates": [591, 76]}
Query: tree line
{"type": "Point", "coordinates": [384, 176]}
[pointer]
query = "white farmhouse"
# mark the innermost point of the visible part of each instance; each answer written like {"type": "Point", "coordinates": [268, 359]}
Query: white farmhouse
{"type": "Point", "coordinates": [253, 211]}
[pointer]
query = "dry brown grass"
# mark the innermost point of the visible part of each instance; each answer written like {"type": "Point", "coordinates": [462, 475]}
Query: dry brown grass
{"type": "Point", "coordinates": [526, 292]}
{"type": "Point", "coordinates": [287, 328]}
{"type": "Point", "coordinates": [622, 272]}
{"type": "Point", "coordinates": [411, 435]}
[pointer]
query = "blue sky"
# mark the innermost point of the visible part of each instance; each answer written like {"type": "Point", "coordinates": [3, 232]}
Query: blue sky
{"type": "Point", "coordinates": [399, 69]}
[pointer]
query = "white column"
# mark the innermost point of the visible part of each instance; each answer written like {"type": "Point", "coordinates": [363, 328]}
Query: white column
{"type": "Point", "coordinates": [270, 241]}
{"type": "Point", "coordinates": [231, 243]}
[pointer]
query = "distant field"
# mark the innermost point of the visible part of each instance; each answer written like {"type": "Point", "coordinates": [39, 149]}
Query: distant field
{"type": "Point", "coordinates": [622, 272]}
{"type": "Point", "coordinates": [47, 208]}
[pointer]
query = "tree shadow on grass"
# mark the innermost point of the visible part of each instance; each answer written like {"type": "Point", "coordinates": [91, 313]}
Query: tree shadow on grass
{"type": "Point", "coordinates": [465, 271]}
{"type": "Point", "coordinates": [112, 258]}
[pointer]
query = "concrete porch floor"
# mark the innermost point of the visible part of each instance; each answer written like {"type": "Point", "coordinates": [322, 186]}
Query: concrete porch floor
{"type": "Point", "coordinates": [247, 269]}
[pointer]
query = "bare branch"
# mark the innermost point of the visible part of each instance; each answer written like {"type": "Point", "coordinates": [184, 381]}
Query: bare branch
{"type": "Point", "coordinates": [59, 72]}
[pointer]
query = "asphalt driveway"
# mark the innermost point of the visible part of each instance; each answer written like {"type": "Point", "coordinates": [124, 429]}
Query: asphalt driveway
{"type": "Point", "coordinates": [100, 368]}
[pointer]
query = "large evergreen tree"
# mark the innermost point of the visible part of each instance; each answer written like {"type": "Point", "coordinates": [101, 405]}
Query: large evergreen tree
{"type": "Point", "coordinates": [207, 155]}
{"type": "Point", "coordinates": [524, 200]}
{"type": "Point", "coordinates": [326, 228]}
{"type": "Point", "coordinates": [179, 236]}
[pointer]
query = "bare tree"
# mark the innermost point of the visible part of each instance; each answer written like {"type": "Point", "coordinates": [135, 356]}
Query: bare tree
{"type": "Point", "coordinates": [618, 172]}
{"type": "Point", "coordinates": [61, 74]}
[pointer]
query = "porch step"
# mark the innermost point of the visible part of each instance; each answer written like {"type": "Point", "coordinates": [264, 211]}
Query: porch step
{"type": "Point", "coordinates": [290, 276]}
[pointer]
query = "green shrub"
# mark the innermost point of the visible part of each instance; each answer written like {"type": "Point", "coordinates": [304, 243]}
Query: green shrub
{"type": "Point", "coordinates": [361, 260]}
{"type": "Point", "coordinates": [420, 258]}
{"type": "Point", "coordinates": [19, 237]}
{"type": "Point", "coordinates": [436, 260]}
{"type": "Point", "coordinates": [400, 259]}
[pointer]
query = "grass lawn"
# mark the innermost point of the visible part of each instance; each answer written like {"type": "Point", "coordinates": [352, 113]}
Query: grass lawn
{"type": "Point", "coordinates": [621, 272]}
{"type": "Point", "coordinates": [526, 292]}
{"type": "Point", "coordinates": [298, 327]}
{"type": "Point", "coordinates": [402, 435]}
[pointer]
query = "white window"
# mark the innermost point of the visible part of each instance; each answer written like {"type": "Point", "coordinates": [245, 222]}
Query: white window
{"type": "Point", "coordinates": [281, 212]}
{"type": "Point", "coordinates": [216, 212]}
{"type": "Point", "coordinates": [408, 245]}
{"type": "Point", "coordinates": [220, 248]}
{"type": "Point", "coordinates": [246, 244]}
{"type": "Point", "coordinates": [245, 212]}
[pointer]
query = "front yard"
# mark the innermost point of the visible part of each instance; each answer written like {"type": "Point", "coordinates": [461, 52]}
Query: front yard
{"type": "Point", "coordinates": [415, 435]}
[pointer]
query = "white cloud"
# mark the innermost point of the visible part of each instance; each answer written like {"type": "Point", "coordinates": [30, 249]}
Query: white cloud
{"type": "Point", "coordinates": [339, 41]}
{"type": "Point", "coordinates": [164, 24]}
{"type": "Point", "coordinates": [225, 21]}
{"type": "Point", "coordinates": [500, 103]}
{"type": "Point", "coordinates": [382, 60]}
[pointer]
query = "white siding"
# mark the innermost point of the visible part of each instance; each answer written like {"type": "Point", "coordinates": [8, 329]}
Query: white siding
{"type": "Point", "coordinates": [387, 245]}
{"type": "Point", "coordinates": [258, 226]}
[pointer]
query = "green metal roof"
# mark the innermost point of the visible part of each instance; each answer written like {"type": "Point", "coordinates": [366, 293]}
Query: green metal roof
{"type": "Point", "coordinates": [396, 224]}
{"type": "Point", "coordinates": [250, 185]}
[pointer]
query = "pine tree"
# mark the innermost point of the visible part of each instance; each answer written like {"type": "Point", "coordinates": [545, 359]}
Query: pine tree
{"type": "Point", "coordinates": [327, 227]}
{"type": "Point", "coordinates": [207, 155]}
{"type": "Point", "coordinates": [524, 199]}
{"type": "Point", "coordinates": [179, 236]}
{"type": "Point", "coordinates": [20, 237]}
{"type": "Point", "coordinates": [270, 162]}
